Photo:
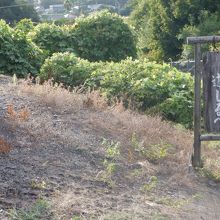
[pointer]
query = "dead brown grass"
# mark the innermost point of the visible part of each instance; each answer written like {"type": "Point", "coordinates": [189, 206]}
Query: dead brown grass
{"type": "Point", "coordinates": [23, 114]}
{"type": "Point", "coordinates": [211, 162]}
{"type": "Point", "coordinates": [4, 146]}
{"type": "Point", "coordinates": [121, 125]}
{"type": "Point", "coordinates": [56, 96]}
{"type": "Point", "coordinates": [149, 131]}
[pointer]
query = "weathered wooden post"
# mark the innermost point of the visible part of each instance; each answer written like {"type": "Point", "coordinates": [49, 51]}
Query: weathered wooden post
{"type": "Point", "coordinates": [211, 72]}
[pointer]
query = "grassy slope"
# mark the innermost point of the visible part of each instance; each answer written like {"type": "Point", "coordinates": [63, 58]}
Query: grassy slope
{"type": "Point", "coordinates": [58, 155]}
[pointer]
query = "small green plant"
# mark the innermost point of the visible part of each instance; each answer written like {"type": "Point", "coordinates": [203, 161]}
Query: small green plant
{"type": "Point", "coordinates": [112, 149]}
{"type": "Point", "coordinates": [76, 218]}
{"type": "Point", "coordinates": [112, 153]}
{"type": "Point", "coordinates": [38, 184]}
{"type": "Point", "coordinates": [152, 184]}
{"type": "Point", "coordinates": [154, 153]}
{"type": "Point", "coordinates": [38, 211]}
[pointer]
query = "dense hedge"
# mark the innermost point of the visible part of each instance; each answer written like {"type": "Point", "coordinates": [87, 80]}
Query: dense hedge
{"type": "Point", "coordinates": [51, 38]}
{"type": "Point", "coordinates": [68, 69]}
{"type": "Point", "coordinates": [151, 86]}
{"type": "Point", "coordinates": [103, 36]}
{"type": "Point", "coordinates": [18, 54]}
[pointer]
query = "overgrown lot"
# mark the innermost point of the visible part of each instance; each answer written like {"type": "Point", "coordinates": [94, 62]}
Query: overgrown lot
{"type": "Point", "coordinates": [97, 52]}
{"type": "Point", "coordinates": [70, 156]}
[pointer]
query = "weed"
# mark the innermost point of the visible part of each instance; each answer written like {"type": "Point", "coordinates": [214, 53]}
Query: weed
{"type": "Point", "coordinates": [112, 149]}
{"type": "Point", "coordinates": [136, 173]}
{"type": "Point", "coordinates": [76, 218]}
{"type": "Point", "coordinates": [112, 153]}
{"type": "Point", "coordinates": [38, 211]}
{"type": "Point", "coordinates": [38, 184]}
{"type": "Point", "coordinates": [153, 152]}
{"type": "Point", "coordinates": [151, 185]}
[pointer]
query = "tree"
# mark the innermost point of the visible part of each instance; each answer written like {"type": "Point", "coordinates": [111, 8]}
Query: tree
{"type": "Point", "coordinates": [15, 10]}
{"type": "Point", "coordinates": [209, 24]}
{"type": "Point", "coordinates": [103, 36]}
{"type": "Point", "coordinates": [159, 23]}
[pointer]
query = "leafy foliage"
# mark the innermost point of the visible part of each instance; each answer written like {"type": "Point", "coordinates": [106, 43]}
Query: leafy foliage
{"type": "Point", "coordinates": [158, 32]}
{"type": "Point", "coordinates": [18, 54]}
{"type": "Point", "coordinates": [66, 68]}
{"type": "Point", "coordinates": [103, 36]}
{"type": "Point", "coordinates": [39, 210]}
{"type": "Point", "coordinates": [51, 38]}
{"type": "Point", "coordinates": [209, 24]}
{"type": "Point", "coordinates": [149, 85]}
{"type": "Point", "coordinates": [152, 87]}
{"type": "Point", "coordinates": [25, 25]}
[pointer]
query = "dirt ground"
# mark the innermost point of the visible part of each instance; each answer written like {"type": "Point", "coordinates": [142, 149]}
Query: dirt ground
{"type": "Point", "coordinates": [57, 154]}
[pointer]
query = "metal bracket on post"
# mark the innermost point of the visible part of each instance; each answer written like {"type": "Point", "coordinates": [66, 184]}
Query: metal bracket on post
{"type": "Point", "coordinates": [197, 41]}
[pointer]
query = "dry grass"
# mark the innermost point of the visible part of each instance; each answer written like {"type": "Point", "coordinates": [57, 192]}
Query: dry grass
{"type": "Point", "coordinates": [150, 132]}
{"type": "Point", "coordinates": [211, 162]}
{"type": "Point", "coordinates": [4, 146]}
{"type": "Point", "coordinates": [121, 125]}
{"type": "Point", "coordinates": [56, 96]}
{"type": "Point", "coordinates": [23, 114]}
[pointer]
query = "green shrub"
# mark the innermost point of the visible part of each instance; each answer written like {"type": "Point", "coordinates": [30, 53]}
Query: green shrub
{"type": "Point", "coordinates": [25, 25]}
{"type": "Point", "coordinates": [51, 38]}
{"type": "Point", "coordinates": [179, 108]}
{"type": "Point", "coordinates": [66, 68]}
{"type": "Point", "coordinates": [149, 85]}
{"type": "Point", "coordinates": [18, 54]}
{"type": "Point", "coordinates": [103, 36]}
{"type": "Point", "coordinates": [152, 87]}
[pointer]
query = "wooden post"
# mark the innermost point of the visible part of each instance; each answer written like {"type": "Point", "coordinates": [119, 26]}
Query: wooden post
{"type": "Point", "coordinates": [196, 157]}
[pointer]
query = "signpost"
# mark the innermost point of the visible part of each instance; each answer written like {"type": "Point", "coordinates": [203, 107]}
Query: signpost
{"type": "Point", "coordinates": [211, 88]}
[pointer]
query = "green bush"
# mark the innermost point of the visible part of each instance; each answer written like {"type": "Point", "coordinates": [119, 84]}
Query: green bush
{"type": "Point", "coordinates": [25, 25]}
{"type": "Point", "coordinates": [152, 87]}
{"type": "Point", "coordinates": [179, 108]}
{"type": "Point", "coordinates": [103, 36]}
{"type": "Point", "coordinates": [18, 54]}
{"type": "Point", "coordinates": [66, 68]}
{"type": "Point", "coordinates": [149, 85]}
{"type": "Point", "coordinates": [51, 38]}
